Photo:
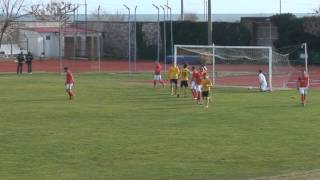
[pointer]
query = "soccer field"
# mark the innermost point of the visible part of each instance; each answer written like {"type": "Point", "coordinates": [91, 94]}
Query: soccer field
{"type": "Point", "coordinates": [119, 127]}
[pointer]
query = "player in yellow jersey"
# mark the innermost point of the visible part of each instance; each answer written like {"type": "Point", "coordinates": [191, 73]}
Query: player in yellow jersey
{"type": "Point", "coordinates": [173, 75]}
{"type": "Point", "coordinates": [206, 88]}
{"type": "Point", "coordinates": [184, 78]}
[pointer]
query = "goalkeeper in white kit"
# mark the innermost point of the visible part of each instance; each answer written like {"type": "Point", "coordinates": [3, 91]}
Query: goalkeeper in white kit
{"type": "Point", "coordinates": [263, 85]}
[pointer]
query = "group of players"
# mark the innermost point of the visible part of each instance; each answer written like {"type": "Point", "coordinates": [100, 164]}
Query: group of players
{"type": "Point", "coordinates": [201, 85]}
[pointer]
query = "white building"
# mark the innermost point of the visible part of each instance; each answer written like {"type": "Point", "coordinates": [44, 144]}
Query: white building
{"type": "Point", "coordinates": [75, 42]}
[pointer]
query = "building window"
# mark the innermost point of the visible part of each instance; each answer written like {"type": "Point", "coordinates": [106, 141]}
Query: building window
{"type": "Point", "coordinates": [48, 38]}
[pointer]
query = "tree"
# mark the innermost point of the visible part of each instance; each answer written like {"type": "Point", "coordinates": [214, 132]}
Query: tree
{"type": "Point", "coordinates": [54, 11]}
{"type": "Point", "coordinates": [10, 12]}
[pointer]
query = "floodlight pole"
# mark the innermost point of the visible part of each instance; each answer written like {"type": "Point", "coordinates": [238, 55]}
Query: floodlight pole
{"type": "Point", "coordinates": [270, 31]}
{"type": "Point", "coordinates": [135, 39]}
{"type": "Point", "coordinates": [86, 21]}
{"type": "Point", "coordinates": [99, 51]}
{"type": "Point", "coordinates": [182, 11]}
{"type": "Point", "coordinates": [171, 29]}
{"type": "Point", "coordinates": [129, 37]}
{"type": "Point", "coordinates": [158, 38]}
{"type": "Point", "coordinates": [209, 24]}
{"type": "Point", "coordinates": [60, 37]}
{"type": "Point", "coordinates": [306, 56]}
{"type": "Point", "coordinates": [204, 9]}
{"type": "Point", "coordinates": [164, 36]}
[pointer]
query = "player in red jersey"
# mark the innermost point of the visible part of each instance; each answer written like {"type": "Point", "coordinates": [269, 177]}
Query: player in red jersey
{"type": "Point", "coordinates": [303, 86]}
{"type": "Point", "coordinates": [193, 82]}
{"type": "Point", "coordinates": [204, 71]}
{"type": "Point", "coordinates": [198, 85]}
{"type": "Point", "coordinates": [157, 75]}
{"type": "Point", "coordinates": [69, 83]}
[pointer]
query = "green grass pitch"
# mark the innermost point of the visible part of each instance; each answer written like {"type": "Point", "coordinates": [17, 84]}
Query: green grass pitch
{"type": "Point", "coordinates": [117, 128]}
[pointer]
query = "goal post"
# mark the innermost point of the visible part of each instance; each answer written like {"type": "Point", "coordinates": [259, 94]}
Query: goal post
{"type": "Point", "coordinates": [237, 66]}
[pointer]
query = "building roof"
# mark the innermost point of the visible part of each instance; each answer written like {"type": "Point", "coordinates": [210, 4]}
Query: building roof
{"type": "Point", "coordinates": [69, 30]}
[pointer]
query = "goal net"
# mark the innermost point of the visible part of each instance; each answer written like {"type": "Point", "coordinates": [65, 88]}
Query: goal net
{"type": "Point", "coordinates": [238, 66]}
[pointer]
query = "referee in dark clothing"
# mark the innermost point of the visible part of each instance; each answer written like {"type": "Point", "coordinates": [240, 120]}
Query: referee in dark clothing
{"type": "Point", "coordinates": [29, 59]}
{"type": "Point", "coordinates": [20, 61]}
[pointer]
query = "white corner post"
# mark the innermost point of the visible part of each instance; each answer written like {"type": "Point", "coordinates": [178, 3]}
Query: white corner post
{"type": "Point", "coordinates": [270, 68]}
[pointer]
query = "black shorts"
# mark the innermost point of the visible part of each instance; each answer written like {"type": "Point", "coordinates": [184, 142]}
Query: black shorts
{"type": "Point", "coordinates": [205, 94]}
{"type": "Point", "coordinates": [174, 81]}
{"type": "Point", "coordinates": [184, 84]}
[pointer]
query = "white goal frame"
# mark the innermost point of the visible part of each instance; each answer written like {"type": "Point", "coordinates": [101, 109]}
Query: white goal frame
{"type": "Point", "coordinates": [226, 47]}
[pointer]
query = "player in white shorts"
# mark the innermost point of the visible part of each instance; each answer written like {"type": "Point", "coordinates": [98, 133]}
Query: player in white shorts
{"type": "Point", "coordinates": [193, 82]}
{"type": "Point", "coordinates": [263, 85]}
{"type": "Point", "coordinates": [157, 75]}
{"type": "Point", "coordinates": [69, 83]}
{"type": "Point", "coordinates": [303, 86]}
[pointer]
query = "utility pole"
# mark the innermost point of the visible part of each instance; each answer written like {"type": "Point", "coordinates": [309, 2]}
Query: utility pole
{"type": "Point", "coordinates": [129, 37]}
{"type": "Point", "coordinates": [182, 11]}
{"type": "Point", "coordinates": [158, 36]}
{"type": "Point", "coordinates": [86, 15]}
{"type": "Point", "coordinates": [99, 7]}
{"type": "Point", "coordinates": [171, 37]}
{"type": "Point", "coordinates": [135, 39]}
{"type": "Point", "coordinates": [204, 9]}
{"type": "Point", "coordinates": [164, 33]}
{"type": "Point", "coordinates": [209, 24]}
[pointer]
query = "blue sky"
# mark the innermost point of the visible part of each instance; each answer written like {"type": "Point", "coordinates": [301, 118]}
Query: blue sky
{"type": "Point", "coordinates": [197, 6]}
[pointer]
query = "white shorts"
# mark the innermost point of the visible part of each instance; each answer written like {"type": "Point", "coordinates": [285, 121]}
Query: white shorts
{"type": "Point", "coordinates": [69, 86]}
{"type": "Point", "coordinates": [157, 77]}
{"type": "Point", "coordinates": [303, 91]}
{"type": "Point", "coordinates": [193, 85]}
{"type": "Point", "coordinates": [263, 87]}
{"type": "Point", "coordinates": [198, 88]}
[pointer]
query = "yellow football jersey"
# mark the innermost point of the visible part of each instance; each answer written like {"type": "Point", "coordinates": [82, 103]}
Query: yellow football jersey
{"type": "Point", "coordinates": [184, 75]}
{"type": "Point", "coordinates": [173, 72]}
{"type": "Point", "coordinates": [206, 84]}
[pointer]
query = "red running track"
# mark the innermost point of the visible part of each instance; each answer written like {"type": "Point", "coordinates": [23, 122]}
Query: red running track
{"type": "Point", "coordinates": [54, 66]}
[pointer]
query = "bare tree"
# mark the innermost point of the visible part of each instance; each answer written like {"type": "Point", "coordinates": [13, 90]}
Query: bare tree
{"type": "Point", "coordinates": [54, 11]}
{"type": "Point", "coordinates": [58, 11]}
{"type": "Point", "coordinates": [10, 12]}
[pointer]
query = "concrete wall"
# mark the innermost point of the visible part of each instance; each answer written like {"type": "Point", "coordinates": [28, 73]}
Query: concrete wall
{"type": "Point", "coordinates": [115, 36]}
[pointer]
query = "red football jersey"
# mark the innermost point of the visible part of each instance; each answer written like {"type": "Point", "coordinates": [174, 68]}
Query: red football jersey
{"type": "Point", "coordinates": [194, 74]}
{"type": "Point", "coordinates": [197, 77]}
{"type": "Point", "coordinates": [303, 81]}
{"type": "Point", "coordinates": [69, 77]}
{"type": "Point", "coordinates": [158, 69]}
